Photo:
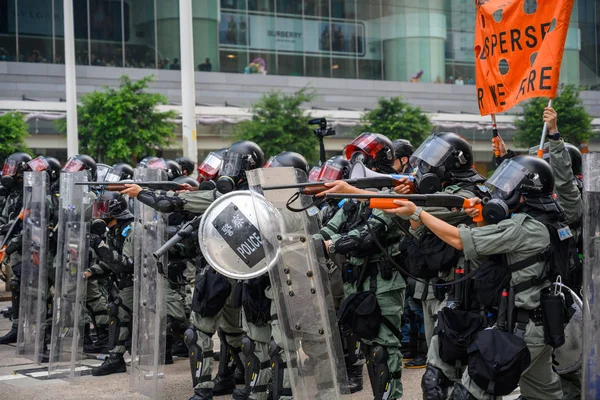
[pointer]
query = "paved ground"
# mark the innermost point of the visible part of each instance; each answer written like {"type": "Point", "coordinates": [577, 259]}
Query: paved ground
{"type": "Point", "coordinates": [20, 379]}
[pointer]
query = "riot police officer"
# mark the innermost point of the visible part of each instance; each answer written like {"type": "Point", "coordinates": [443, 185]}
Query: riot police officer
{"type": "Point", "coordinates": [12, 180]}
{"type": "Point", "coordinates": [112, 241]}
{"type": "Point", "coordinates": [368, 269]}
{"type": "Point", "coordinates": [522, 195]}
{"type": "Point", "coordinates": [187, 165]}
{"type": "Point", "coordinates": [239, 158]}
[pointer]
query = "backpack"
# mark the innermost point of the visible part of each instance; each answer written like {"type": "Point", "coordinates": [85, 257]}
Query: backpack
{"type": "Point", "coordinates": [497, 359]}
{"type": "Point", "coordinates": [491, 278]}
{"type": "Point", "coordinates": [360, 314]}
{"type": "Point", "coordinates": [456, 330]}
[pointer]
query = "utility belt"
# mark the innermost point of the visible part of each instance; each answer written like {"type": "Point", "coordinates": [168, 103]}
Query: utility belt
{"type": "Point", "coordinates": [124, 281]}
{"type": "Point", "coordinates": [358, 273]}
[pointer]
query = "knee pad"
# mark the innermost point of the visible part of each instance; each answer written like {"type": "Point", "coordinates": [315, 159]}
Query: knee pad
{"type": "Point", "coordinates": [197, 356]}
{"type": "Point", "coordinates": [114, 325]}
{"type": "Point", "coordinates": [247, 346]}
{"type": "Point", "coordinates": [380, 376]}
{"type": "Point", "coordinates": [274, 349]}
{"type": "Point", "coordinates": [278, 367]}
{"type": "Point", "coordinates": [175, 328]}
{"type": "Point", "coordinates": [461, 393]}
{"type": "Point", "coordinates": [434, 384]}
{"type": "Point", "coordinates": [15, 286]}
{"type": "Point", "coordinates": [354, 351]}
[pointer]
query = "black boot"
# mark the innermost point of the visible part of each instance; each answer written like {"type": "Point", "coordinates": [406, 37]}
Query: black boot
{"type": "Point", "coordinates": [112, 364]}
{"type": "Point", "coordinates": [10, 337]}
{"type": "Point", "coordinates": [180, 349]}
{"type": "Point", "coordinates": [88, 340]}
{"type": "Point", "coordinates": [169, 351]}
{"type": "Point", "coordinates": [416, 363]}
{"type": "Point", "coordinates": [224, 384]}
{"type": "Point", "coordinates": [461, 393]}
{"type": "Point", "coordinates": [101, 343]}
{"type": "Point", "coordinates": [355, 378]}
{"type": "Point", "coordinates": [202, 394]}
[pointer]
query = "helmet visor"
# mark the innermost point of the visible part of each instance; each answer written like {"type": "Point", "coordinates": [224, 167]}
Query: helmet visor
{"type": "Point", "coordinates": [209, 168]}
{"type": "Point", "coordinates": [367, 142]}
{"type": "Point", "coordinates": [159, 163]}
{"type": "Point", "coordinates": [272, 163]}
{"type": "Point", "coordinates": [100, 209]}
{"type": "Point", "coordinates": [232, 164]}
{"type": "Point", "coordinates": [506, 179]}
{"type": "Point", "coordinates": [102, 172]}
{"type": "Point", "coordinates": [331, 172]}
{"type": "Point", "coordinates": [434, 151]}
{"type": "Point", "coordinates": [111, 176]}
{"type": "Point", "coordinates": [313, 175]}
{"type": "Point", "coordinates": [73, 165]}
{"type": "Point", "coordinates": [10, 167]}
{"type": "Point", "coordinates": [38, 164]}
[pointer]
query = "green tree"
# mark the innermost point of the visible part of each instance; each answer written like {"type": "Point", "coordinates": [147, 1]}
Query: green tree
{"type": "Point", "coordinates": [123, 124]}
{"type": "Point", "coordinates": [13, 131]}
{"type": "Point", "coordinates": [279, 124]}
{"type": "Point", "coordinates": [397, 119]}
{"type": "Point", "coordinates": [574, 122]}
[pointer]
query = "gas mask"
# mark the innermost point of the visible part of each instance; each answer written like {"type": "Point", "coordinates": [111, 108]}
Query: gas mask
{"type": "Point", "coordinates": [99, 227]}
{"type": "Point", "coordinates": [498, 209]}
{"type": "Point", "coordinates": [428, 179]}
{"type": "Point", "coordinates": [208, 185]}
{"type": "Point", "coordinates": [232, 172]}
{"type": "Point", "coordinates": [9, 172]}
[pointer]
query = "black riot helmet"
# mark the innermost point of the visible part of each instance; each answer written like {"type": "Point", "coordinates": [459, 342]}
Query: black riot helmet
{"type": "Point", "coordinates": [240, 157]}
{"type": "Point", "coordinates": [187, 165]}
{"type": "Point", "coordinates": [443, 157]}
{"type": "Point", "coordinates": [402, 148]}
{"type": "Point", "coordinates": [49, 164]}
{"type": "Point", "coordinates": [335, 168]}
{"type": "Point", "coordinates": [102, 170]}
{"type": "Point", "coordinates": [187, 179]}
{"type": "Point", "coordinates": [81, 162]}
{"type": "Point", "coordinates": [374, 150]}
{"type": "Point", "coordinates": [288, 159]}
{"type": "Point", "coordinates": [120, 171]}
{"type": "Point", "coordinates": [111, 205]}
{"type": "Point", "coordinates": [522, 176]}
{"type": "Point", "coordinates": [173, 169]}
{"type": "Point", "coordinates": [144, 162]}
{"type": "Point", "coordinates": [13, 169]}
{"type": "Point", "coordinates": [576, 159]}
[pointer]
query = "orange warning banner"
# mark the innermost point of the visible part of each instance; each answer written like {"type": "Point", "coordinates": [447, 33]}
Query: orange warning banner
{"type": "Point", "coordinates": [518, 50]}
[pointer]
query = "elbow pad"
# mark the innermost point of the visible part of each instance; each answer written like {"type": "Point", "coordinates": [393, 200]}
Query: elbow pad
{"type": "Point", "coordinates": [161, 201]}
{"type": "Point", "coordinates": [15, 245]}
{"type": "Point", "coordinates": [347, 244]}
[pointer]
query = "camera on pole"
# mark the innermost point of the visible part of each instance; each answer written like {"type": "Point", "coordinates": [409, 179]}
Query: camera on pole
{"type": "Point", "coordinates": [322, 131]}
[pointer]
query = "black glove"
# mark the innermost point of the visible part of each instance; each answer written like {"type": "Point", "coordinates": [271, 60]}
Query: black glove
{"type": "Point", "coordinates": [95, 241]}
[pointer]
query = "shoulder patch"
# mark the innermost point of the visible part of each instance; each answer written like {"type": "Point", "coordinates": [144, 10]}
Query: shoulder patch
{"type": "Point", "coordinates": [452, 189]}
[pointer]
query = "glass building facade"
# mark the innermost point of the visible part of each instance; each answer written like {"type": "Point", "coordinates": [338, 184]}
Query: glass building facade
{"type": "Point", "coordinates": [396, 40]}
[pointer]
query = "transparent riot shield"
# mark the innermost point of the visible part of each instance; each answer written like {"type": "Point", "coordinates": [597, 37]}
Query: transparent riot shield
{"type": "Point", "coordinates": [66, 351]}
{"type": "Point", "coordinates": [34, 270]}
{"type": "Point", "coordinates": [149, 333]}
{"type": "Point", "coordinates": [300, 284]}
{"type": "Point", "coordinates": [591, 276]}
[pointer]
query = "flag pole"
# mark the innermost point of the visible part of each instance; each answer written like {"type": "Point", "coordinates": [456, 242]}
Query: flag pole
{"type": "Point", "coordinates": [540, 152]}
{"type": "Point", "coordinates": [495, 135]}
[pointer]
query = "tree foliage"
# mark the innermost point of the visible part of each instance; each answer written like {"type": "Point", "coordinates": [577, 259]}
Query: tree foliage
{"type": "Point", "coordinates": [13, 131]}
{"type": "Point", "coordinates": [123, 124]}
{"type": "Point", "coordinates": [574, 122]}
{"type": "Point", "coordinates": [397, 119]}
{"type": "Point", "coordinates": [279, 124]}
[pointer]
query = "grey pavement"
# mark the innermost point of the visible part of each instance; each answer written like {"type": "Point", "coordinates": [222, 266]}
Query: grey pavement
{"type": "Point", "coordinates": [19, 385]}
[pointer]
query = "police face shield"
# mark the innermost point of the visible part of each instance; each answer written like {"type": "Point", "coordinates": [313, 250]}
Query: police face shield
{"type": "Point", "coordinates": [73, 165]}
{"type": "Point", "coordinates": [331, 172]}
{"type": "Point", "coordinates": [368, 143]}
{"type": "Point", "coordinates": [102, 172]}
{"type": "Point", "coordinates": [111, 176]}
{"type": "Point", "coordinates": [101, 209]}
{"type": "Point", "coordinates": [8, 172]}
{"type": "Point", "coordinates": [159, 163]}
{"type": "Point", "coordinates": [38, 164]}
{"type": "Point", "coordinates": [503, 185]}
{"type": "Point", "coordinates": [313, 175]}
{"type": "Point", "coordinates": [233, 165]}
{"type": "Point", "coordinates": [434, 151]}
{"type": "Point", "coordinates": [209, 168]}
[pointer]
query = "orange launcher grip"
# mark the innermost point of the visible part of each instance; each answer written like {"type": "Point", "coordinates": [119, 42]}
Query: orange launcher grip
{"type": "Point", "coordinates": [383, 203]}
{"type": "Point", "coordinates": [540, 153]}
{"type": "Point", "coordinates": [478, 206]}
{"type": "Point", "coordinates": [497, 150]}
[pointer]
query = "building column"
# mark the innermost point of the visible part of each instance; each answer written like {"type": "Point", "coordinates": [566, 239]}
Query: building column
{"type": "Point", "coordinates": [414, 38]}
{"type": "Point", "coordinates": [569, 69]}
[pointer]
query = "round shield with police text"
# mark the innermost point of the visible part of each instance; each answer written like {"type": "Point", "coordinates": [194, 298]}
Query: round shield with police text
{"type": "Point", "coordinates": [229, 234]}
